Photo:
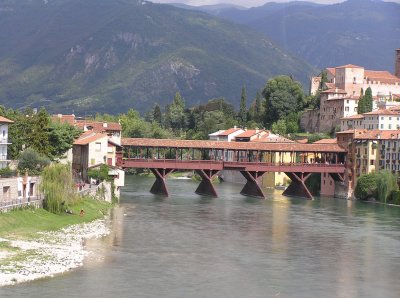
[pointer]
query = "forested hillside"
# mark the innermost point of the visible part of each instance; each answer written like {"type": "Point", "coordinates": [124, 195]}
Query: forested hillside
{"type": "Point", "coordinates": [111, 55]}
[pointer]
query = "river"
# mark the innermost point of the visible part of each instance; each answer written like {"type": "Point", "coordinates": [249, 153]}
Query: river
{"type": "Point", "coordinates": [233, 246]}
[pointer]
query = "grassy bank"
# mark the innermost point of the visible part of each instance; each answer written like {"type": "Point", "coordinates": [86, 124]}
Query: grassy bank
{"type": "Point", "coordinates": [25, 223]}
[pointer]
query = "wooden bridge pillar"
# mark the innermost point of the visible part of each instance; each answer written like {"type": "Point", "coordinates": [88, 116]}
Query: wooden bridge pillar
{"type": "Point", "coordinates": [252, 188]}
{"type": "Point", "coordinates": [160, 187]}
{"type": "Point", "coordinates": [298, 187]}
{"type": "Point", "coordinates": [337, 176]}
{"type": "Point", "coordinates": [206, 187]}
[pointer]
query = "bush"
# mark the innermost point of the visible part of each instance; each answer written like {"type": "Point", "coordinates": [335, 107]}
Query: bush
{"type": "Point", "coordinates": [7, 172]}
{"type": "Point", "coordinates": [58, 188]}
{"type": "Point", "coordinates": [395, 197]}
{"type": "Point", "coordinates": [32, 161]}
{"type": "Point", "coordinates": [100, 173]}
{"type": "Point", "coordinates": [366, 186]}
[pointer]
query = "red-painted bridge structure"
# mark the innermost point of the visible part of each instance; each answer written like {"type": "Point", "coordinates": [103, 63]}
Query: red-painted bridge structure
{"type": "Point", "coordinates": [252, 159]}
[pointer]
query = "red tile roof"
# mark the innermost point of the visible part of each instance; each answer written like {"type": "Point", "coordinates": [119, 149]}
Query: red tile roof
{"type": "Point", "coordinates": [228, 132]}
{"type": "Point", "coordinates": [200, 144]}
{"type": "Point", "coordinates": [352, 131]}
{"type": "Point", "coordinates": [249, 133]}
{"type": "Point", "coordinates": [70, 119]}
{"type": "Point", "coordinates": [335, 90]}
{"type": "Point", "coordinates": [98, 126]}
{"type": "Point", "coordinates": [302, 141]}
{"type": "Point", "coordinates": [88, 137]}
{"type": "Point", "coordinates": [326, 141]}
{"type": "Point", "coordinates": [381, 76]}
{"type": "Point", "coordinates": [272, 139]}
{"type": "Point", "coordinates": [5, 120]}
{"type": "Point", "coordinates": [376, 134]}
{"type": "Point", "coordinates": [383, 112]}
{"type": "Point", "coordinates": [356, 116]}
{"type": "Point", "coordinates": [332, 70]}
{"type": "Point", "coordinates": [349, 66]}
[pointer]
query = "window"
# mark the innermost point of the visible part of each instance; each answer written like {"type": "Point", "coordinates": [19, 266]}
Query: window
{"type": "Point", "coordinates": [6, 192]}
{"type": "Point", "coordinates": [390, 126]}
{"type": "Point", "coordinates": [97, 147]}
{"type": "Point", "coordinates": [381, 126]}
{"type": "Point", "coordinates": [372, 162]}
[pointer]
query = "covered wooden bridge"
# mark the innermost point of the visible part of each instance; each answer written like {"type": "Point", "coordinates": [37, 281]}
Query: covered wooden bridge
{"type": "Point", "coordinates": [252, 159]}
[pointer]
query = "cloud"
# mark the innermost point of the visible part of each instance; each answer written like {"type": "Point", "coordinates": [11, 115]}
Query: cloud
{"type": "Point", "coordinates": [246, 3]}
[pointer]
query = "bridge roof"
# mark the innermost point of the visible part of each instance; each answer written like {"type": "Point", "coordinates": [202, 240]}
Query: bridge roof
{"type": "Point", "coordinates": [206, 144]}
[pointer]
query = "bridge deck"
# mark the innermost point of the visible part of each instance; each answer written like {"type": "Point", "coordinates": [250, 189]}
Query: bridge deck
{"type": "Point", "coordinates": [225, 165]}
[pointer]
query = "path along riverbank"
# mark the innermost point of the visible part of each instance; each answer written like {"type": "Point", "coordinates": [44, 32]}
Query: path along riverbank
{"type": "Point", "coordinates": [49, 254]}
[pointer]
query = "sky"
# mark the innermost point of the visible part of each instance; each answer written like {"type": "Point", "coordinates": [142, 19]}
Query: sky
{"type": "Point", "coordinates": [245, 3]}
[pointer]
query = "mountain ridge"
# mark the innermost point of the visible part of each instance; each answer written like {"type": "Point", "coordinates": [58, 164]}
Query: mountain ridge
{"type": "Point", "coordinates": [109, 56]}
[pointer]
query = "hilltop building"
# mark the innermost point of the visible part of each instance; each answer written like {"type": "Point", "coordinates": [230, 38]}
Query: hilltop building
{"type": "Point", "coordinates": [340, 94]}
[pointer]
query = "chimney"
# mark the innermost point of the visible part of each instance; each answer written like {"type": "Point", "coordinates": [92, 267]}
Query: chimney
{"type": "Point", "coordinates": [397, 65]}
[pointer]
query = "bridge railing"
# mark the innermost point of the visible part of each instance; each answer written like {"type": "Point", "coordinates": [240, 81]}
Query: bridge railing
{"type": "Point", "coordinates": [281, 164]}
{"type": "Point", "coordinates": [228, 164]}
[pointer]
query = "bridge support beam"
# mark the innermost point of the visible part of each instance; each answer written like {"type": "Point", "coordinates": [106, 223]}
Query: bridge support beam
{"type": "Point", "coordinates": [298, 185]}
{"type": "Point", "coordinates": [206, 187]}
{"type": "Point", "coordinates": [160, 187]}
{"type": "Point", "coordinates": [252, 188]}
{"type": "Point", "coordinates": [337, 176]}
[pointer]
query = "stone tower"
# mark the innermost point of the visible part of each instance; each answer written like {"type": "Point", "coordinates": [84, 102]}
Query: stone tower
{"type": "Point", "coordinates": [397, 66]}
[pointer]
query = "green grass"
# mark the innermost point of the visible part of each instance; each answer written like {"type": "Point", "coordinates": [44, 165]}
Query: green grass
{"type": "Point", "coordinates": [26, 223]}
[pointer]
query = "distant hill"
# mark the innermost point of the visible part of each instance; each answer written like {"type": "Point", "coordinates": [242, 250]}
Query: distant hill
{"type": "Point", "coordinates": [363, 32]}
{"type": "Point", "coordinates": [111, 55]}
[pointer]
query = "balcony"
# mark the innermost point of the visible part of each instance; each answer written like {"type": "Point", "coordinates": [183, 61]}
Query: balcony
{"type": "Point", "coordinates": [4, 141]}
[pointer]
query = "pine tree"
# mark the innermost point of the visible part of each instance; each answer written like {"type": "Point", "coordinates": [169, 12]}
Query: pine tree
{"type": "Point", "coordinates": [157, 115]}
{"type": "Point", "coordinates": [368, 100]}
{"type": "Point", "coordinates": [243, 108]}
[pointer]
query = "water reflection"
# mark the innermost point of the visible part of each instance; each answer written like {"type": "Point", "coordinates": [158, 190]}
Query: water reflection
{"type": "Point", "coordinates": [233, 246]}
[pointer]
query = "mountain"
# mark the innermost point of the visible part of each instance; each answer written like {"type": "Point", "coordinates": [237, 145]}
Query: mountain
{"type": "Point", "coordinates": [112, 55]}
{"type": "Point", "coordinates": [215, 9]}
{"type": "Point", "coordinates": [362, 32]}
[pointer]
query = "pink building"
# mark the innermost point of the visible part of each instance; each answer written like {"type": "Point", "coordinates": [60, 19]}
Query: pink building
{"type": "Point", "coordinates": [341, 92]}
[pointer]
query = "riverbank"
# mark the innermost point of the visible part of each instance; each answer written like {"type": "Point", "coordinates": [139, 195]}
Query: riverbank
{"type": "Point", "coordinates": [36, 244]}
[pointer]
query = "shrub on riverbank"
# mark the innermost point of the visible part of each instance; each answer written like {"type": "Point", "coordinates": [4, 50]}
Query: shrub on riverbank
{"type": "Point", "coordinates": [58, 188]}
{"type": "Point", "coordinates": [378, 185]}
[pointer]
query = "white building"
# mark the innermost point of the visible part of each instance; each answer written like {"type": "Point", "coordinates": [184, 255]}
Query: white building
{"type": "Point", "coordinates": [387, 119]}
{"type": "Point", "coordinates": [4, 122]}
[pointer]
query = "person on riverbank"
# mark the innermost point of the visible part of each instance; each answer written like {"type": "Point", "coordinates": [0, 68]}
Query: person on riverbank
{"type": "Point", "coordinates": [82, 213]}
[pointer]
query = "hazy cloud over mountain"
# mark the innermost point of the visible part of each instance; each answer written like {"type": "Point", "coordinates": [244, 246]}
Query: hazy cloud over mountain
{"type": "Point", "coordinates": [245, 3]}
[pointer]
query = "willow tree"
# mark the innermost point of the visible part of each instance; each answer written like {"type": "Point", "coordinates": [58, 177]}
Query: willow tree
{"type": "Point", "coordinates": [58, 188]}
{"type": "Point", "coordinates": [386, 184]}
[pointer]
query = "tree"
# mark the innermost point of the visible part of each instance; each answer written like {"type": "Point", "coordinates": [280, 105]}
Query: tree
{"type": "Point", "coordinates": [366, 186]}
{"type": "Point", "coordinates": [283, 96]}
{"type": "Point", "coordinates": [279, 127]}
{"type": "Point", "coordinates": [39, 138]}
{"type": "Point", "coordinates": [243, 108]}
{"type": "Point", "coordinates": [386, 184]}
{"type": "Point", "coordinates": [176, 113]}
{"type": "Point", "coordinates": [157, 115]}
{"type": "Point", "coordinates": [58, 188]}
{"type": "Point", "coordinates": [32, 161]}
{"type": "Point", "coordinates": [61, 138]}
{"type": "Point", "coordinates": [256, 110]}
{"type": "Point", "coordinates": [368, 100]}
